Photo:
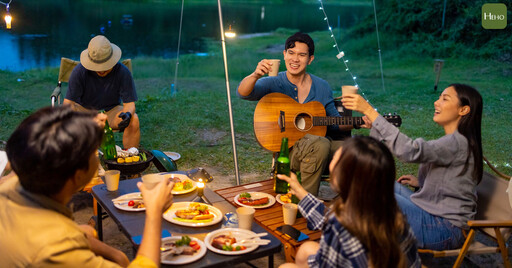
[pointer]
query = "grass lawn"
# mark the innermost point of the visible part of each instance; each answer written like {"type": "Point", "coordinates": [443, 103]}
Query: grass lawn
{"type": "Point", "coordinates": [195, 122]}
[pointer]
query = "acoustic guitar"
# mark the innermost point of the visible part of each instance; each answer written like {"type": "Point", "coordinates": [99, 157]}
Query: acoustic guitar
{"type": "Point", "coordinates": [277, 115]}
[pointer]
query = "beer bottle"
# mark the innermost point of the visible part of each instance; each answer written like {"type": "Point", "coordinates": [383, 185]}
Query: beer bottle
{"type": "Point", "coordinates": [282, 167]}
{"type": "Point", "coordinates": [294, 198]}
{"type": "Point", "coordinates": [108, 143]}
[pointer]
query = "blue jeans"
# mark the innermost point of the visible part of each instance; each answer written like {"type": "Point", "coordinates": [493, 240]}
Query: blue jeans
{"type": "Point", "coordinates": [432, 232]}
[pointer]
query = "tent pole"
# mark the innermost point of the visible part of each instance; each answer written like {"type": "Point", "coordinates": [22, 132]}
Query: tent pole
{"type": "Point", "coordinates": [174, 86]}
{"type": "Point", "coordinates": [235, 156]}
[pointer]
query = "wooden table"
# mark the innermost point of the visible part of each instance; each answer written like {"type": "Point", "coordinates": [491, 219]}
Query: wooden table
{"type": "Point", "coordinates": [272, 217]}
{"type": "Point", "coordinates": [132, 223]}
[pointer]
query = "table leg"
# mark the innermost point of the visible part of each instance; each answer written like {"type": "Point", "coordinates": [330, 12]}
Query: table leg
{"type": "Point", "coordinates": [94, 207]}
{"type": "Point", "coordinates": [271, 261]}
{"type": "Point", "coordinates": [99, 224]}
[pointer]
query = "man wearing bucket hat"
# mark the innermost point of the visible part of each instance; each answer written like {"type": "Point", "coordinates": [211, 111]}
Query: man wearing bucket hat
{"type": "Point", "coordinates": [100, 82]}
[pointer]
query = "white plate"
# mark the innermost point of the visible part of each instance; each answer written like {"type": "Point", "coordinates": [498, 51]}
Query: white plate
{"type": "Point", "coordinates": [257, 195]}
{"type": "Point", "coordinates": [124, 205]}
{"type": "Point", "coordinates": [278, 199]}
{"type": "Point", "coordinates": [183, 177]}
{"type": "Point", "coordinates": [173, 155]}
{"type": "Point", "coordinates": [237, 233]}
{"type": "Point", "coordinates": [168, 258]}
{"type": "Point", "coordinates": [169, 215]}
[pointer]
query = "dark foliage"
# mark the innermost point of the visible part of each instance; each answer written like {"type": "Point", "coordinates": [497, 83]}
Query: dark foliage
{"type": "Point", "coordinates": [418, 25]}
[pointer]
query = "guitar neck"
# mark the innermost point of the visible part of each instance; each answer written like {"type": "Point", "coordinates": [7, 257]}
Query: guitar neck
{"type": "Point", "coordinates": [337, 121]}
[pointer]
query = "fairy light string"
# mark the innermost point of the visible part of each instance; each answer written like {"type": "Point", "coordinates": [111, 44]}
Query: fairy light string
{"type": "Point", "coordinates": [341, 54]}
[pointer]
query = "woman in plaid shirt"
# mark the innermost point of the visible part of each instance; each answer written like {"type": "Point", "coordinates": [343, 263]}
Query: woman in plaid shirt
{"type": "Point", "coordinates": [364, 227]}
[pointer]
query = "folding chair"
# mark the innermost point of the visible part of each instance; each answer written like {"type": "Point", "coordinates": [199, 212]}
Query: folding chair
{"type": "Point", "coordinates": [493, 218]}
{"type": "Point", "coordinates": [66, 67]}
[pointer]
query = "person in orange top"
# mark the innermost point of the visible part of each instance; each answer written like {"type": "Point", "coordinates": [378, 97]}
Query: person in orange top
{"type": "Point", "coordinates": [53, 154]}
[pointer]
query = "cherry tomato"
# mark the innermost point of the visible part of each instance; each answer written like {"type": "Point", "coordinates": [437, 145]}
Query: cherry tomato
{"type": "Point", "coordinates": [131, 203]}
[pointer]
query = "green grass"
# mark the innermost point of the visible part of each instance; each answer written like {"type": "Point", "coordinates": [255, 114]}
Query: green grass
{"type": "Point", "coordinates": [195, 122]}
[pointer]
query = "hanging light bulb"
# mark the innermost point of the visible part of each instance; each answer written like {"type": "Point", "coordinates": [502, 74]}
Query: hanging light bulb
{"type": "Point", "coordinates": [230, 33]}
{"type": "Point", "coordinates": [8, 18]}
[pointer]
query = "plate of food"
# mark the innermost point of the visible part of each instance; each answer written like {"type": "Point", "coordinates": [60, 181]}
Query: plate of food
{"type": "Point", "coordinates": [255, 200]}
{"type": "Point", "coordinates": [221, 241]}
{"type": "Point", "coordinates": [193, 214]}
{"type": "Point", "coordinates": [284, 198]}
{"type": "Point", "coordinates": [176, 250]}
{"type": "Point", "coordinates": [182, 184]}
{"type": "Point", "coordinates": [130, 202]}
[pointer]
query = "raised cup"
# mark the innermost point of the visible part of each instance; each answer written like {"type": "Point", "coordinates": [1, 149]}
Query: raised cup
{"type": "Point", "coordinates": [274, 69]}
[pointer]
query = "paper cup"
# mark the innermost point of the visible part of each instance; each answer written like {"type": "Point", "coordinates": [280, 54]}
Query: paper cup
{"type": "Point", "coordinates": [245, 217]}
{"type": "Point", "coordinates": [289, 213]}
{"type": "Point", "coordinates": [274, 69]}
{"type": "Point", "coordinates": [112, 179]}
{"type": "Point", "coordinates": [151, 180]}
{"type": "Point", "coordinates": [348, 90]}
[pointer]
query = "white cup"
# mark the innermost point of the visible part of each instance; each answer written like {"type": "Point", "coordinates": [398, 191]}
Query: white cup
{"type": "Point", "coordinates": [274, 69]}
{"type": "Point", "coordinates": [151, 180]}
{"type": "Point", "coordinates": [289, 213]}
{"type": "Point", "coordinates": [348, 90]}
{"type": "Point", "coordinates": [112, 179]}
{"type": "Point", "coordinates": [245, 217]}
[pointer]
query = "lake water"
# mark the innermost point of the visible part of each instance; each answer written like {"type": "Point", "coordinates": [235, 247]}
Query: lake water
{"type": "Point", "coordinates": [44, 31]}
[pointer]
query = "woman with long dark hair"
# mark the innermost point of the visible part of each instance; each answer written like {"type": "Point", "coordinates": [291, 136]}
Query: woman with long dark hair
{"type": "Point", "coordinates": [364, 227]}
{"type": "Point", "coordinates": [450, 167]}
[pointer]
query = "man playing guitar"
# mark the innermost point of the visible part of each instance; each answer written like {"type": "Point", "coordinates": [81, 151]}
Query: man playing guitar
{"type": "Point", "coordinates": [311, 153]}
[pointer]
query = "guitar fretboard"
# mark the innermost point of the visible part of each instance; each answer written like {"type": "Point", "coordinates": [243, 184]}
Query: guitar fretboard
{"type": "Point", "coordinates": [337, 121]}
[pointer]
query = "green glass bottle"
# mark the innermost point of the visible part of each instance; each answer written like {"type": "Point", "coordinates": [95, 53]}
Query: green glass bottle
{"type": "Point", "coordinates": [282, 167]}
{"type": "Point", "coordinates": [294, 198]}
{"type": "Point", "coordinates": [108, 143]}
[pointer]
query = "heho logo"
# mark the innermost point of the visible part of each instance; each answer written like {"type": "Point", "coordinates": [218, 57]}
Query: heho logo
{"type": "Point", "coordinates": [494, 16]}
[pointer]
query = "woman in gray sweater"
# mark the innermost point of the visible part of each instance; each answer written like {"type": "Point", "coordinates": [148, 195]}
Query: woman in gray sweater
{"type": "Point", "coordinates": [450, 167]}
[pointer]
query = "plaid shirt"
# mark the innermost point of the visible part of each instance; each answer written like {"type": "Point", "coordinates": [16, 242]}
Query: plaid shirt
{"type": "Point", "coordinates": [339, 248]}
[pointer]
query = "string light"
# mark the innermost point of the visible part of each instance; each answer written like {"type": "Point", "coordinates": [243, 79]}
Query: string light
{"type": "Point", "coordinates": [341, 54]}
{"type": "Point", "coordinates": [230, 33]}
{"type": "Point", "coordinates": [8, 17]}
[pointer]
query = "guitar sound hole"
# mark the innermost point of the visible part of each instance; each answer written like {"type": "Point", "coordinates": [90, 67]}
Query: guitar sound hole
{"type": "Point", "coordinates": [303, 122]}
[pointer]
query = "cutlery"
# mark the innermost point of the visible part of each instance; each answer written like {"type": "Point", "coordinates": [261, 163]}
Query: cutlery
{"type": "Point", "coordinates": [254, 236]}
{"type": "Point", "coordinates": [124, 199]}
{"type": "Point", "coordinates": [261, 242]}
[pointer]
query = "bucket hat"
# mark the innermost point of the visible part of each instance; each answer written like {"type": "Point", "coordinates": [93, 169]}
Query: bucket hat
{"type": "Point", "coordinates": [100, 55]}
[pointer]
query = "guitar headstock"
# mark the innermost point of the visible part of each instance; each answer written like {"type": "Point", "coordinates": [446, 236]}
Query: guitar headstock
{"type": "Point", "coordinates": [394, 119]}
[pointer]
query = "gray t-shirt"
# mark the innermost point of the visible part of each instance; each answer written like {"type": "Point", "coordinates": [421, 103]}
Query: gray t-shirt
{"type": "Point", "coordinates": [444, 191]}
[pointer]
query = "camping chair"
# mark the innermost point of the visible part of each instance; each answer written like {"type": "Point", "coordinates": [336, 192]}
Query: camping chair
{"type": "Point", "coordinates": [493, 218]}
{"type": "Point", "coordinates": [66, 67]}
